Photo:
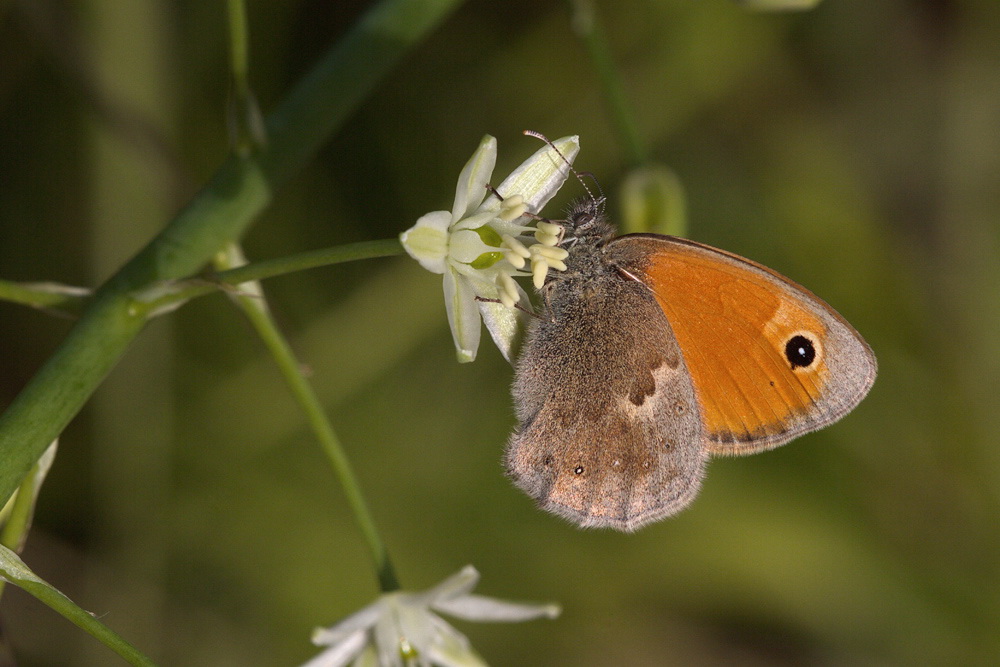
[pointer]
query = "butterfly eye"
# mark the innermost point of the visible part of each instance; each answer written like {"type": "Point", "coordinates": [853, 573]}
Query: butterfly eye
{"type": "Point", "coordinates": [583, 220]}
{"type": "Point", "coordinates": [800, 351]}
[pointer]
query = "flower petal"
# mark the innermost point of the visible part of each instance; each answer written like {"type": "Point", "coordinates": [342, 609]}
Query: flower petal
{"type": "Point", "coordinates": [471, 188]}
{"type": "Point", "coordinates": [451, 648]}
{"type": "Point", "coordinates": [359, 620]}
{"type": "Point", "coordinates": [539, 177]}
{"type": "Point", "coordinates": [503, 323]}
{"type": "Point", "coordinates": [340, 653]}
{"type": "Point", "coordinates": [427, 240]}
{"type": "Point", "coordinates": [475, 220]}
{"type": "Point", "coordinates": [417, 632]}
{"type": "Point", "coordinates": [482, 608]}
{"type": "Point", "coordinates": [388, 633]}
{"type": "Point", "coordinates": [367, 658]}
{"type": "Point", "coordinates": [460, 583]}
{"type": "Point", "coordinates": [463, 315]}
{"type": "Point", "coordinates": [466, 245]}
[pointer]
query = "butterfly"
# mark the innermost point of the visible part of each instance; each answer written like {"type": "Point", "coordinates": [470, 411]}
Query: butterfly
{"type": "Point", "coordinates": [653, 353]}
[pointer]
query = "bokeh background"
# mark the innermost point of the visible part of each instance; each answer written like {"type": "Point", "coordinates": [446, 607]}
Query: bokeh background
{"type": "Point", "coordinates": [855, 148]}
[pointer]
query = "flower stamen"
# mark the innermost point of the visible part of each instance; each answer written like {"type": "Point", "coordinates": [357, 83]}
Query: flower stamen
{"type": "Point", "coordinates": [514, 251]}
{"type": "Point", "coordinates": [512, 208]}
{"type": "Point", "coordinates": [539, 269]}
{"type": "Point", "coordinates": [509, 296]}
{"type": "Point", "coordinates": [548, 233]}
{"type": "Point", "coordinates": [543, 258]}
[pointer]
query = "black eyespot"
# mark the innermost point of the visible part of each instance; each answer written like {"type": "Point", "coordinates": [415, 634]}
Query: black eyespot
{"type": "Point", "coordinates": [800, 352]}
{"type": "Point", "coordinates": [578, 470]}
{"type": "Point", "coordinates": [547, 461]}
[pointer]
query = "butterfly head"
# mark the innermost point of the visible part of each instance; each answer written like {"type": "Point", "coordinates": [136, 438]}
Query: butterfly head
{"type": "Point", "coordinates": [586, 223]}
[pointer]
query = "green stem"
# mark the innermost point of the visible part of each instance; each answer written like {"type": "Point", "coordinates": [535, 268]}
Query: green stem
{"type": "Point", "coordinates": [13, 570]}
{"type": "Point", "coordinates": [161, 298]}
{"type": "Point", "coordinates": [239, 45]}
{"type": "Point", "coordinates": [249, 137]}
{"type": "Point", "coordinates": [15, 528]}
{"type": "Point", "coordinates": [70, 301]}
{"type": "Point", "coordinates": [250, 299]}
{"type": "Point", "coordinates": [218, 214]}
{"type": "Point", "coordinates": [246, 125]}
{"type": "Point", "coordinates": [22, 507]}
{"type": "Point", "coordinates": [587, 25]}
{"type": "Point", "coordinates": [278, 266]}
{"type": "Point", "coordinates": [52, 297]}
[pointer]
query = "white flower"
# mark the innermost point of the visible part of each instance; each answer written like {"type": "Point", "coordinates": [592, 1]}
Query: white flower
{"type": "Point", "coordinates": [401, 629]}
{"type": "Point", "coordinates": [481, 244]}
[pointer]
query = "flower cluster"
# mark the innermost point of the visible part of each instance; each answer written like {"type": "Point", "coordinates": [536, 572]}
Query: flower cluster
{"type": "Point", "coordinates": [403, 629]}
{"type": "Point", "coordinates": [488, 238]}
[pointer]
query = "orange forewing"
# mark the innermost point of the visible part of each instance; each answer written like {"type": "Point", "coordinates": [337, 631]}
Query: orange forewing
{"type": "Point", "coordinates": [732, 319]}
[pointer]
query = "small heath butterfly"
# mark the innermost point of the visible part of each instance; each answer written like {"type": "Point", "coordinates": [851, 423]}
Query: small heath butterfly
{"type": "Point", "coordinates": [652, 353]}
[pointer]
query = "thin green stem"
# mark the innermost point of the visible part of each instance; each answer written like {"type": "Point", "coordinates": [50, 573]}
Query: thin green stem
{"type": "Point", "coordinates": [279, 266]}
{"type": "Point", "coordinates": [239, 45]}
{"type": "Point", "coordinates": [587, 25]}
{"type": "Point", "coordinates": [13, 570]}
{"type": "Point", "coordinates": [21, 509]}
{"type": "Point", "coordinates": [220, 213]}
{"type": "Point", "coordinates": [250, 299]}
{"type": "Point", "coordinates": [164, 298]}
{"type": "Point", "coordinates": [249, 135]}
{"type": "Point", "coordinates": [70, 301]}
{"type": "Point", "coordinates": [246, 124]}
{"type": "Point", "coordinates": [51, 297]}
{"type": "Point", "coordinates": [18, 521]}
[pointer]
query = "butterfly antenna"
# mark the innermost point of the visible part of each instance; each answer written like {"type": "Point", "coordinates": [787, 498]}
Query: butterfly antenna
{"type": "Point", "coordinates": [598, 202]}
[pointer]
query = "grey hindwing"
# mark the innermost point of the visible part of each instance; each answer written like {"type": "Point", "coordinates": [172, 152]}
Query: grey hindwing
{"type": "Point", "coordinates": [610, 434]}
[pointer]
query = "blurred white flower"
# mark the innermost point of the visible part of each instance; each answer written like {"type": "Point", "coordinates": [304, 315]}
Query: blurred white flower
{"type": "Point", "coordinates": [401, 629]}
{"type": "Point", "coordinates": [482, 243]}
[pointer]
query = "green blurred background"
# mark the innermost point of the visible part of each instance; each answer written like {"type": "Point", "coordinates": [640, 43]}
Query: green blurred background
{"type": "Point", "coordinates": [855, 148]}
